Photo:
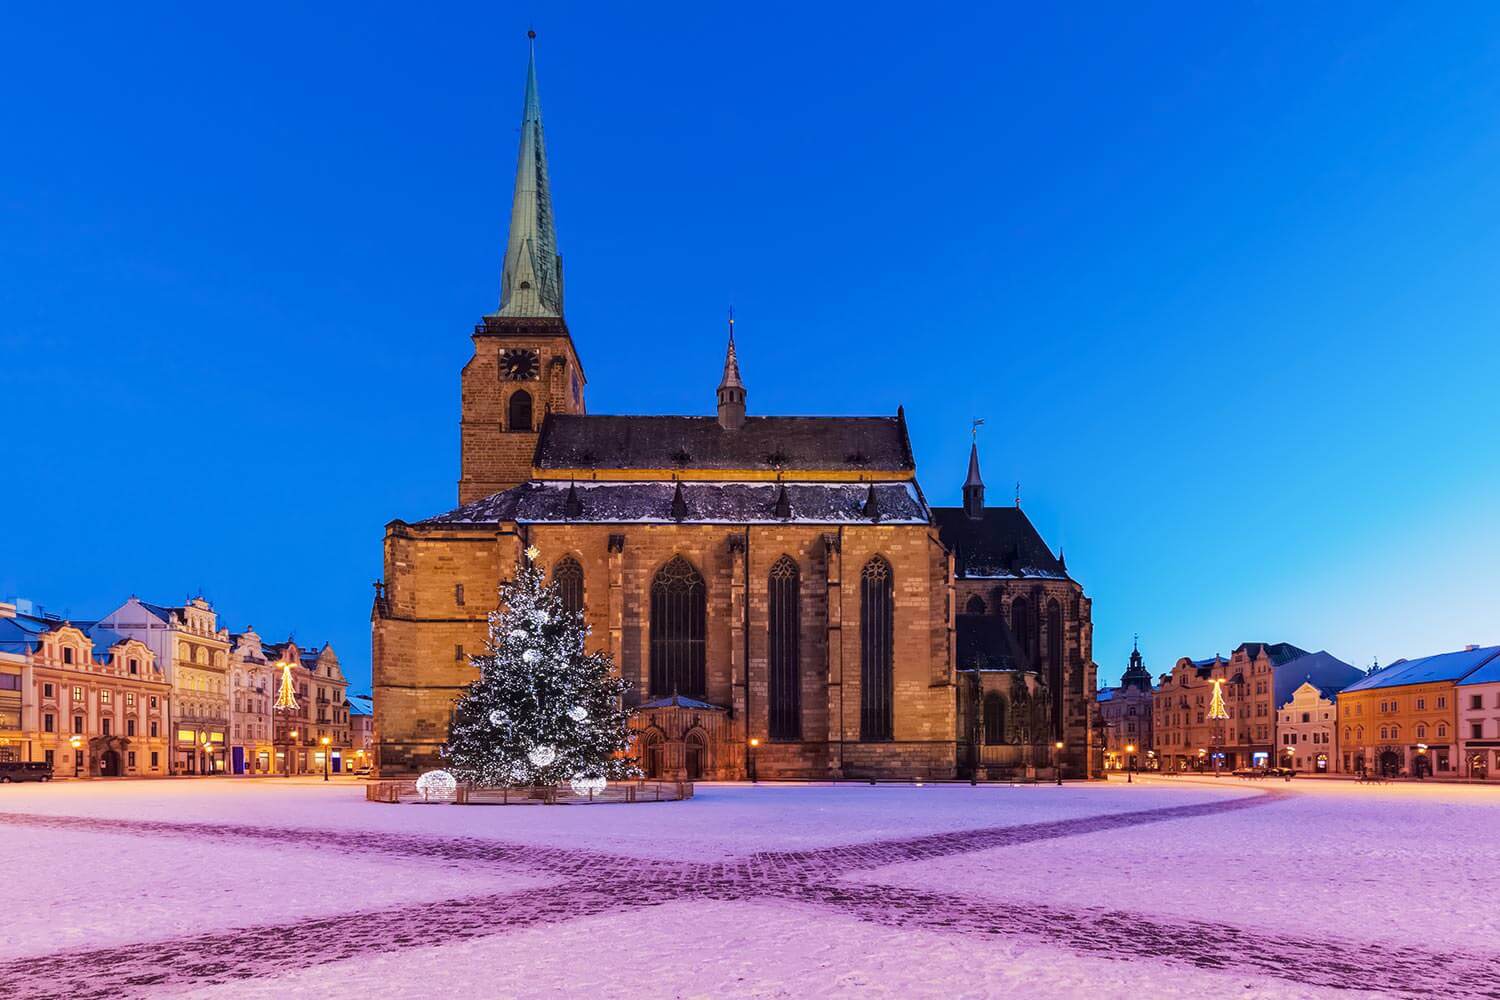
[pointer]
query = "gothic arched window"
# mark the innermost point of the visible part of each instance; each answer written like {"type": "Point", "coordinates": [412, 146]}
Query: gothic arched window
{"type": "Point", "coordinates": [1021, 626]}
{"type": "Point", "coordinates": [519, 411]}
{"type": "Point", "coordinates": [994, 718]}
{"type": "Point", "coordinates": [568, 576]}
{"type": "Point", "coordinates": [678, 624]}
{"type": "Point", "coordinates": [784, 626]}
{"type": "Point", "coordinates": [975, 606]}
{"type": "Point", "coordinates": [876, 635]}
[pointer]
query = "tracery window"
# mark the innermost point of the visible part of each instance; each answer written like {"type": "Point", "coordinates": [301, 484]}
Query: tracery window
{"type": "Point", "coordinates": [877, 633]}
{"type": "Point", "coordinates": [1022, 626]}
{"type": "Point", "coordinates": [784, 624]}
{"type": "Point", "coordinates": [568, 575]}
{"type": "Point", "coordinates": [975, 606]}
{"type": "Point", "coordinates": [678, 626]}
{"type": "Point", "coordinates": [994, 718]}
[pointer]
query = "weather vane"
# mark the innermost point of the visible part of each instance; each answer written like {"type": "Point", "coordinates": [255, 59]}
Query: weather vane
{"type": "Point", "coordinates": [974, 426]}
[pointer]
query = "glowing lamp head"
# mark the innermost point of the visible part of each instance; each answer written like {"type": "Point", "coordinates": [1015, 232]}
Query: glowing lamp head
{"type": "Point", "coordinates": [76, 742]}
{"type": "Point", "coordinates": [1058, 745]}
{"type": "Point", "coordinates": [755, 741]}
{"type": "Point", "coordinates": [326, 741]}
{"type": "Point", "coordinates": [1130, 748]}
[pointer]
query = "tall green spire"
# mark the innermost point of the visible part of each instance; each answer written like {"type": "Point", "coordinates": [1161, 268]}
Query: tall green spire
{"type": "Point", "coordinates": [531, 278]}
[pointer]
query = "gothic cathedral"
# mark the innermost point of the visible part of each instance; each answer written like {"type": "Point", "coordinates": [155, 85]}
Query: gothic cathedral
{"type": "Point", "coordinates": [777, 590]}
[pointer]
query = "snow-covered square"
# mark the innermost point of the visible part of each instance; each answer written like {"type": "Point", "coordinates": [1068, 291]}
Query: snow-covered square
{"type": "Point", "coordinates": [1161, 888]}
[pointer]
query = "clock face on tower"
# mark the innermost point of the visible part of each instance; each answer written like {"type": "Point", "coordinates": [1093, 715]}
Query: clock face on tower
{"type": "Point", "coordinates": [520, 365]}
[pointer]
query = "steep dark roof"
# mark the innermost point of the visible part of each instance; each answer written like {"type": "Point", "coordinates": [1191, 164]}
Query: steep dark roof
{"type": "Point", "coordinates": [822, 444]}
{"type": "Point", "coordinates": [1325, 671]}
{"type": "Point", "coordinates": [1002, 543]}
{"type": "Point", "coordinates": [1277, 652]}
{"type": "Point", "coordinates": [657, 501]}
{"type": "Point", "coordinates": [985, 642]}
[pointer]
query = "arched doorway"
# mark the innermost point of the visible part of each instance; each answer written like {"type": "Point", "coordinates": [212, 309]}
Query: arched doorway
{"type": "Point", "coordinates": [1390, 763]}
{"type": "Point", "coordinates": [1322, 763]}
{"type": "Point", "coordinates": [695, 754]}
{"type": "Point", "coordinates": [651, 757]}
{"type": "Point", "coordinates": [109, 764]}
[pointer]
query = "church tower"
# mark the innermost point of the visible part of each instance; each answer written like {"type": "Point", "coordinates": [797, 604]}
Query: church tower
{"type": "Point", "coordinates": [524, 365]}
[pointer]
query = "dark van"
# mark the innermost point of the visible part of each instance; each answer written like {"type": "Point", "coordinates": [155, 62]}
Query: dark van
{"type": "Point", "coordinates": [24, 770]}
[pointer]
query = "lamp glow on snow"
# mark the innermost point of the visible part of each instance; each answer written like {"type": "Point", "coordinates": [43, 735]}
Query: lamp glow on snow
{"type": "Point", "coordinates": [437, 786]}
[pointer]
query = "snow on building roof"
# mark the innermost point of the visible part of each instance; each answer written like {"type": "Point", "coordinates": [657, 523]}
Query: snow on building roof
{"type": "Point", "coordinates": [1455, 666]}
{"type": "Point", "coordinates": [1003, 544]}
{"type": "Point", "coordinates": [653, 502]}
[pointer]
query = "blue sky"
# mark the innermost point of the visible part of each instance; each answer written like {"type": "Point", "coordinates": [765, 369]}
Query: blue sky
{"type": "Point", "coordinates": [1222, 282]}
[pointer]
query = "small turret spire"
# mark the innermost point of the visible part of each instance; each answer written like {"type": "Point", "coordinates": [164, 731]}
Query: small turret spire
{"type": "Point", "coordinates": [531, 277]}
{"type": "Point", "coordinates": [974, 484]}
{"type": "Point", "coordinates": [732, 391]}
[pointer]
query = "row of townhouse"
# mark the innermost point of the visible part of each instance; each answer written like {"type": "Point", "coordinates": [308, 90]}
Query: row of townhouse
{"type": "Point", "coordinates": [1273, 704]}
{"type": "Point", "coordinates": [1266, 704]}
{"type": "Point", "coordinates": [1436, 715]}
{"type": "Point", "coordinates": [157, 690]}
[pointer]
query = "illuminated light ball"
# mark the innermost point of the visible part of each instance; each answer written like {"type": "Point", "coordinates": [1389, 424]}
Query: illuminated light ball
{"type": "Point", "coordinates": [497, 718]}
{"type": "Point", "coordinates": [531, 657]}
{"type": "Point", "coordinates": [578, 713]}
{"type": "Point", "coordinates": [542, 756]}
{"type": "Point", "coordinates": [519, 635]}
{"type": "Point", "coordinates": [437, 786]}
{"type": "Point", "coordinates": [542, 618]}
{"type": "Point", "coordinates": [587, 786]}
{"type": "Point", "coordinates": [519, 775]}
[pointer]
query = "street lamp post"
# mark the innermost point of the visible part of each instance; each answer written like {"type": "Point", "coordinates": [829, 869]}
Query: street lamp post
{"type": "Point", "coordinates": [76, 742]}
{"type": "Point", "coordinates": [291, 743]}
{"type": "Point", "coordinates": [1057, 749]}
{"type": "Point", "coordinates": [1129, 763]}
{"type": "Point", "coordinates": [750, 761]}
{"type": "Point", "coordinates": [325, 742]}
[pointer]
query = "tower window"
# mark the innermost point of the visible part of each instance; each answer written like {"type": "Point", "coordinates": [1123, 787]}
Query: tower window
{"type": "Point", "coordinates": [975, 605]}
{"type": "Point", "coordinates": [519, 411]}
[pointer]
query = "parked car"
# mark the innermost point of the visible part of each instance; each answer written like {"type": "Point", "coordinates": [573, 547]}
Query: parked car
{"type": "Point", "coordinates": [24, 770]}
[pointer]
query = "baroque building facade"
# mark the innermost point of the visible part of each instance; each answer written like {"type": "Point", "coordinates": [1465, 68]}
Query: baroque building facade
{"type": "Point", "coordinates": [777, 589]}
{"type": "Point", "coordinates": [194, 653]}
{"type": "Point", "coordinates": [93, 702]}
{"type": "Point", "coordinates": [1125, 712]}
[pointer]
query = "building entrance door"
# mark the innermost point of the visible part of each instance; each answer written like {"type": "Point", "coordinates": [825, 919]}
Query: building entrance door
{"type": "Point", "coordinates": [1390, 763]}
{"type": "Point", "coordinates": [109, 764]}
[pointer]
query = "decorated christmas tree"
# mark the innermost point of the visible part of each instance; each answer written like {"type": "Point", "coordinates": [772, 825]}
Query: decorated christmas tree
{"type": "Point", "coordinates": [543, 711]}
